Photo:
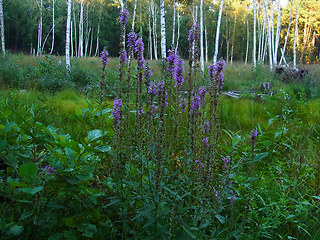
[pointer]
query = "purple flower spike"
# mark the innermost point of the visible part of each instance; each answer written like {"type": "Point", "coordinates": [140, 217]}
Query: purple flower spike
{"type": "Point", "coordinates": [104, 57]}
{"type": "Point", "coordinates": [123, 57]}
{"type": "Point", "coordinates": [153, 110]}
{"type": "Point", "coordinates": [202, 93]}
{"type": "Point", "coordinates": [183, 104]}
{"type": "Point", "coordinates": [226, 160]}
{"type": "Point", "coordinates": [132, 38]}
{"type": "Point", "coordinates": [139, 48]}
{"type": "Point", "coordinates": [206, 127]}
{"type": "Point", "coordinates": [116, 111]}
{"type": "Point", "coordinates": [253, 134]}
{"type": "Point", "coordinates": [48, 170]}
{"type": "Point", "coordinates": [195, 103]}
{"type": "Point", "coordinates": [205, 142]}
{"type": "Point", "coordinates": [124, 14]}
{"type": "Point", "coordinates": [193, 33]}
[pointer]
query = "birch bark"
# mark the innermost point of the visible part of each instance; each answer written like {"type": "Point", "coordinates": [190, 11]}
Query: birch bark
{"type": "Point", "coordinates": [134, 15]}
{"type": "Point", "coordinates": [216, 49]}
{"type": "Point", "coordinates": [80, 51]}
{"type": "Point", "coordinates": [39, 30]}
{"type": "Point", "coordinates": [2, 30]}
{"type": "Point", "coordinates": [269, 35]}
{"type": "Point", "coordinates": [278, 34]}
{"type": "Point", "coordinates": [163, 30]}
{"type": "Point", "coordinates": [178, 18]}
{"type": "Point", "coordinates": [295, 39]}
{"type": "Point", "coordinates": [52, 43]}
{"type": "Point", "coordinates": [287, 36]}
{"type": "Point", "coordinates": [68, 37]}
{"type": "Point", "coordinates": [201, 38]}
{"type": "Point", "coordinates": [254, 53]}
{"type": "Point", "coordinates": [173, 24]}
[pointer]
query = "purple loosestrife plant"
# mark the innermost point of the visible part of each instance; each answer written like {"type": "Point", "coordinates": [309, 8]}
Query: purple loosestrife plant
{"type": "Point", "coordinates": [116, 112]}
{"type": "Point", "coordinates": [124, 14]}
{"type": "Point", "coordinates": [48, 170]}
{"type": "Point", "coordinates": [206, 127]}
{"type": "Point", "coordinates": [183, 104]}
{"type": "Point", "coordinates": [104, 57]}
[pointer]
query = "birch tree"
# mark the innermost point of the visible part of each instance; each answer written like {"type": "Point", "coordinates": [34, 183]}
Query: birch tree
{"type": "Point", "coordinates": [80, 50]}
{"type": "Point", "coordinates": [154, 25]}
{"type": "Point", "coordinates": [216, 49]}
{"type": "Point", "coordinates": [276, 45]}
{"type": "Point", "coordinates": [287, 36]}
{"type": "Point", "coordinates": [39, 45]}
{"type": "Point", "coordinates": [201, 38]}
{"type": "Point", "coordinates": [163, 30]}
{"type": "Point", "coordinates": [295, 39]}
{"type": "Point", "coordinates": [173, 23]}
{"type": "Point", "coordinates": [248, 37]}
{"type": "Point", "coordinates": [2, 30]}
{"type": "Point", "coordinates": [134, 15]}
{"type": "Point", "coordinates": [150, 32]}
{"type": "Point", "coordinates": [178, 19]}
{"type": "Point", "coordinates": [52, 42]}
{"type": "Point", "coordinates": [269, 35]}
{"type": "Point", "coordinates": [254, 56]}
{"type": "Point", "coordinates": [68, 37]}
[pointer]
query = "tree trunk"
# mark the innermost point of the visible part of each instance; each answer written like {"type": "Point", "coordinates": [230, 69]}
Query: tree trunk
{"type": "Point", "coordinates": [154, 20]}
{"type": "Point", "coordinates": [75, 31]}
{"type": "Point", "coordinates": [150, 33]}
{"type": "Point", "coordinates": [98, 32]}
{"type": "Point", "coordinates": [2, 30]}
{"type": "Point", "coordinates": [39, 30]}
{"type": "Point", "coordinates": [91, 40]}
{"type": "Point", "coordinates": [248, 36]}
{"type": "Point", "coordinates": [88, 30]}
{"type": "Point", "coordinates": [71, 39]}
{"type": "Point", "coordinates": [254, 52]}
{"type": "Point", "coordinates": [269, 35]}
{"type": "Point", "coordinates": [173, 24]}
{"type": "Point", "coordinates": [278, 34]}
{"type": "Point", "coordinates": [218, 34]}
{"type": "Point", "coordinates": [134, 15]}
{"type": "Point", "coordinates": [201, 38]}
{"type": "Point", "coordinates": [306, 36]}
{"type": "Point", "coordinates": [295, 39]}
{"type": "Point", "coordinates": [68, 38]}
{"type": "Point", "coordinates": [52, 42]}
{"type": "Point", "coordinates": [271, 21]}
{"type": "Point", "coordinates": [163, 30]}
{"type": "Point", "coordinates": [287, 36]}
{"type": "Point", "coordinates": [233, 38]}
{"type": "Point", "coordinates": [178, 18]}
{"type": "Point", "coordinates": [206, 37]}
{"type": "Point", "coordinates": [80, 51]}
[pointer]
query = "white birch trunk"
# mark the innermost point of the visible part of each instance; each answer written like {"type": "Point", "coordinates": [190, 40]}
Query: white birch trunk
{"type": "Point", "coordinates": [287, 36]}
{"type": "Point", "coordinates": [2, 30]}
{"type": "Point", "coordinates": [178, 18]}
{"type": "Point", "coordinates": [277, 34]}
{"type": "Point", "coordinates": [87, 36]}
{"type": "Point", "coordinates": [68, 37]}
{"type": "Point", "coordinates": [269, 35]}
{"type": "Point", "coordinates": [272, 27]}
{"type": "Point", "coordinates": [52, 42]}
{"type": "Point", "coordinates": [163, 30]}
{"type": "Point", "coordinates": [39, 30]}
{"type": "Point", "coordinates": [254, 53]}
{"type": "Point", "coordinates": [75, 31]}
{"type": "Point", "coordinates": [173, 24]}
{"type": "Point", "coordinates": [216, 49]}
{"type": "Point", "coordinates": [71, 39]}
{"type": "Point", "coordinates": [134, 15]}
{"type": "Point", "coordinates": [155, 40]}
{"type": "Point", "coordinates": [80, 51]}
{"type": "Point", "coordinates": [206, 37]}
{"type": "Point", "coordinates": [150, 33]}
{"type": "Point", "coordinates": [201, 38]}
{"type": "Point", "coordinates": [295, 39]}
{"type": "Point", "coordinates": [233, 38]}
{"type": "Point", "coordinates": [91, 40]}
{"type": "Point", "coordinates": [98, 32]}
{"type": "Point", "coordinates": [247, 50]}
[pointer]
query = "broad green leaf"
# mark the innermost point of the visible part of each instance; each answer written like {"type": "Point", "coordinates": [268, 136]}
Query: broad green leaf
{"type": "Point", "coordinates": [93, 135]}
{"type": "Point", "coordinates": [260, 156]}
{"type": "Point", "coordinates": [15, 230]}
{"type": "Point", "coordinates": [221, 219]}
{"type": "Point", "coordinates": [28, 171]}
{"type": "Point", "coordinates": [31, 191]}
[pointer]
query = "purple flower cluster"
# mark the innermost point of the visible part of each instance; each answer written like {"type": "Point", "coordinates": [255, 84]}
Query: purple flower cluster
{"type": "Point", "coordinates": [139, 48]}
{"type": "Point", "coordinates": [205, 142]}
{"type": "Point", "coordinates": [147, 74]}
{"type": "Point", "coordinates": [152, 89]}
{"type": "Point", "coordinates": [48, 170]}
{"type": "Point", "coordinates": [233, 197]}
{"type": "Point", "coordinates": [193, 33]}
{"type": "Point", "coordinates": [175, 67]}
{"type": "Point", "coordinates": [116, 111]}
{"type": "Point", "coordinates": [183, 104]}
{"type": "Point", "coordinates": [196, 102]}
{"type": "Point", "coordinates": [162, 93]}
{"type": "Point", "coordinates": [216, 73]}
{"type": "Point", "coordinates": [199, 163]}
{"type": "Point", "coordinates": [153, 110]}
{"type": "Point", "coordinates": [123, 57]}
{"type": "Point", "coordinates": [132, 38]}
{"type": "Point", "coordinates": [104, 57]}
{"type": "Point", "coordinates": [206, 127]}
{"type": "Point", "coordinates": [226, 160]}
{"type": "Point", "coordinates": [253, 135]}
{"type": "Point", "coordinates": [124, 14]}
{"type": "Point", "coordinates": [202, 94]}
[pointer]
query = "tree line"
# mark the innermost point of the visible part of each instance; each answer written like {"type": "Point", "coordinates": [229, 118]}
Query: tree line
{"type": "Point", "coordinates": [271, 31]}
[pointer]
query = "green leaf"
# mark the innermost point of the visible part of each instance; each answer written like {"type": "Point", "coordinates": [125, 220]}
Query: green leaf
{"type": "Point", "coordinates": [189, 233]}
{"type": "Point", "coordinates": [15, 230]}
{"type": "Point", "coordinates": [260, 156]}
{"type": "Point", "coordinates": [31, 191]}
{"type": "Point", "coordinates": [28, 171]}
{"type": "Point", "coordinates": [93, 135]}
{"type": "Point", "coordinates": [221, 219]}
